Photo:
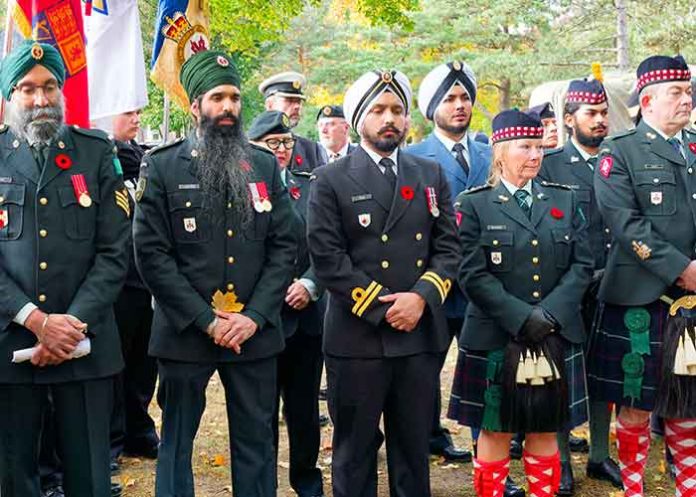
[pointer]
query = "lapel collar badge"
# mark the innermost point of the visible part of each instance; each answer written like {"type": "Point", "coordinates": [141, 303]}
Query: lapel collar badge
{"type": "Point", "coordinates": [503, 198]}
{"type": "Point", "coordinates": [575, 158]}
{"type": "Point", "coordinates": [651, 135]}
{"type": "Point", "coordinates": [364, 219]}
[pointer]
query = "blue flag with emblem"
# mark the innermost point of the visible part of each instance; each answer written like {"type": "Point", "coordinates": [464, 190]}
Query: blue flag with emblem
{"type": "Point", "coordinates": [181, 30]}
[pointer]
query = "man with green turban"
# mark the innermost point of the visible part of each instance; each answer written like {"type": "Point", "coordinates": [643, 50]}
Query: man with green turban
{"type": "Point", "coordinates": [215, 244]}
{"type": "Point", "coordinates": [63, 258]}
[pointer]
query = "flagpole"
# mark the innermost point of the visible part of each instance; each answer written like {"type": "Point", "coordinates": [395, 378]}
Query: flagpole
{"type": "Point", "coordinates": [7, 46]}
{"type": "Point", "coordinates": [165, 119]}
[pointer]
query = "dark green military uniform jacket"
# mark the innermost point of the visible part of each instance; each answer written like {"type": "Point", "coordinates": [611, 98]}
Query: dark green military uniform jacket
{"type": "Point", "coordinates": [512, 263]}
{"type": "Point", "coordinates": [646, 192]}
{"type": "Point", "coordinates": [566, 166]}
{"type": "Point", "coordinates": [59, 255]}
{"type": "Point", "coordinates": [186, 254]}
{"type": "Point", "coordinates": [366, 241]}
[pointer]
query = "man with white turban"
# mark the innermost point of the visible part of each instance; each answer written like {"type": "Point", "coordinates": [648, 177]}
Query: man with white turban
{"type": "Point", "coordinates": [383, 241]}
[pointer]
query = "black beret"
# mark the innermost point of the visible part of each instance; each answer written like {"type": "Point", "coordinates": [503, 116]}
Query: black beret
{"type": "Point", "coordinates": [331, 111]}
{"type": "Point", "coordinates": [543, 111]}
{"type": "Point", "coordinates": [270, 122]}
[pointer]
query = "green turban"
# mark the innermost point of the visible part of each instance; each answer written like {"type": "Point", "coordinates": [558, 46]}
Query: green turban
{"type": "Point", "coordinates": [24, 58]}
{"type": "Point", "coordinates": [206, 70]}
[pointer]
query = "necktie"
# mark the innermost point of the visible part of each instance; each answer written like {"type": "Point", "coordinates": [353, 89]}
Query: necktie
{"type": "Point", "coordinates": [592, 163]}
{"type": "Point", "coordinates": [388, 166]}
{"type": "Point", "coordinates": [676, 145]}
{"type": "Point", "coordinates": [458, 150]}
{"type": "Point", "coordinates": [40, 152]}
{"type": "Point", "coordinates": [522, 197]}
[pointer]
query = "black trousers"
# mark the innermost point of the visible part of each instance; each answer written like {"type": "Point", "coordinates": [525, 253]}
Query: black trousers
{"type": "Point", "coordinates": [250, 394]}
{"type": "Point", "coordinates": [81, 423]}
{"type": "Point", "coordinates": [131, 426]}
{"type": "Point", "coordinates": [299, 377]}
{"type": "Point", "coordinates": [439, 435]}
{"type": "Point", "coordinates": [360, 392]}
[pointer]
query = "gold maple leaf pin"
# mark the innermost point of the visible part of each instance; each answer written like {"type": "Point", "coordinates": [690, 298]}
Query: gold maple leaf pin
{"type": "Point", "coordinates": [226, 302]}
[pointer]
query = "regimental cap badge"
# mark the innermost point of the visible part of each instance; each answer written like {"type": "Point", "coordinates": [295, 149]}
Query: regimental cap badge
{"type": "Point", "coordinates": [222, 61]}
{"type": "Point", "coordinates": [285, 120]}
{"type": "Point", "coordinates": [456, 65]}
{"type": "Point", "coordinates": [387, 77]}
{"type": "Point", "coordinates": [296, 84]}
{"type": "Point", "coordinates": [327, 110]}
{"type": "Point", "coordinates": [37, 52]}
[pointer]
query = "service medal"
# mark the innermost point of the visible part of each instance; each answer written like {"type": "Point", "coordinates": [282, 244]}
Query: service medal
{"type": "Point", "coordinates": [80, 189]}
{"type": "Point", "coordinates": [431, 196]}
{"type": "Point", "coordinates": [259, 197]}
{"type": "Point", "coordinates": [266, 204]}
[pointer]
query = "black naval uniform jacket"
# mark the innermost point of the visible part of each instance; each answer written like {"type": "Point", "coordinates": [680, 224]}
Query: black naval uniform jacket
{"type": "Point", "coordinates": [646, 193]}
{"type": "Point", "coordinates": [566, 166]}
{"type": "Point", "coordinates": [366, 241]}
{"type": "Point", "coordinates": [310, 319]}
{"type": "Point", "coordinates": [185, 254]}
{"type": "Point", "coordinates": [307, 155]}
{"type": "Point", "coordinates": [64, 258]}
{"type": "Point", "coordinates": [512, 263]}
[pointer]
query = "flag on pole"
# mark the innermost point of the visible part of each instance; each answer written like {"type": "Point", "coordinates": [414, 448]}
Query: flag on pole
{"type": "Point", "coordinates": [181, 30]}
{"type": "Point", "coordinates": [117, 82]}
{"type": "Point", "coordinates": [59, 23]}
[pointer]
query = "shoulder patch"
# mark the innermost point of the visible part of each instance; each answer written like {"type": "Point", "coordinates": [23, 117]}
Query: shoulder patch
{"type": "Point", "coordinates": [621, 134]}
{"type": "Point", "coordinates": [165, 146]}
{"type": "Point", "coordinates": [475, 189]}
{"type": "Point", "coordinates": [92, 133]}
{"type": "Point", "coordinates": [556, 185]}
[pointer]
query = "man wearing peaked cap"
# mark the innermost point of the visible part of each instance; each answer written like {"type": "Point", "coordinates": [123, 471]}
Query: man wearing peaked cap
{"type": "Point", "coordinates": [586, 116]}
{"type": "Point", "coordinates": [382, 240]}
{"type": "Point", "coordinates": [547, 114]}
{"type": "Point", "coordinates": [63, 245]}
{"type": "Point", "coordinates": [284, 92]}
{"type": "Point", "coordinates": [215, 244]}
{"type": "Point", "coordinates": [446, 97]}
{"type": "Point", "coordinates": [334, 132]}
{"type": "Point", "coordinates": [300, 363]}
{"type": "Point", "coordinates": [645, 186]}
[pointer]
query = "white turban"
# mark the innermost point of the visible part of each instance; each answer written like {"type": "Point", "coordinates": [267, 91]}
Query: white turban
{"type": "Point", "coordinates": [362, 94]}
{"type": "Point", "coordinates": [438, 83]}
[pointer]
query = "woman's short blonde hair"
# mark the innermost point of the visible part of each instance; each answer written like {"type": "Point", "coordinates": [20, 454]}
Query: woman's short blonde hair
{"type": "Point", "coordinates": [500, 153]}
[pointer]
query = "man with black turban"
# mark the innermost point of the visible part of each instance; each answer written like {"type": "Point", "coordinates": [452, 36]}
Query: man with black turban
{"type": "Point", "coordinates": [63, 235]}
{"type": "Point", "coordinates": [215, 245]}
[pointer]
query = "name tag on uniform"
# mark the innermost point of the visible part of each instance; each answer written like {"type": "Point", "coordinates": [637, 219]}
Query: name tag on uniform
{"type": "Point", "coordinates": [497, 258]}
{"type": "Point", "coordinates": [496, 227]}
{"type": "Point", "coordinates": [656, 198]}
{"type": "Point", "coordinates": [654, 166]}
{"type": "Point", "coordinates": [190, 186]}
{"type": "Point", "coordinates": [5, 179]}
{"type": "Point", "coordinates": [360, 198]}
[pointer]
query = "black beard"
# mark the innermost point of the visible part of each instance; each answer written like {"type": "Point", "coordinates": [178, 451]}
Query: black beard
{"type": "Point", "coordinates": [38, 124]}
{"type": "Point", "coordinates": [455, 130]}
{"type": "Point", "coordinates": [223, 149]}
{"type": "Point", "coordinates": [588, 141]}
{"type": "Point", "coordinates": [386, 145]}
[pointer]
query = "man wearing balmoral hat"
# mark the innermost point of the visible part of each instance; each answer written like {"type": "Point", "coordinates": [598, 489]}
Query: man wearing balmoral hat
{"type": "Point", "coordinates": [215, 245]}
{"type": "Point", "coordinates": [63, 245]}
{"type": "Point", "coordinates": [382, 239]}
{"type": "Point", "coordinates": [284, 92]}
{"type": "Point", "coordinates": [645, 184]}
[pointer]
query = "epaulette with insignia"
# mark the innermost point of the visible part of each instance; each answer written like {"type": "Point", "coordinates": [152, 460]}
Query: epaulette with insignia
{"type": "Point", "coordinates": [479, 188]}
{"type": "Point", "coordinates": [556, 185]}
{"type": "Point", "coordinates": [159, 148]}
{"type": "Point", "coordinates": [621, 134]}
{"type": "Point", "coordinates": [92, 133]}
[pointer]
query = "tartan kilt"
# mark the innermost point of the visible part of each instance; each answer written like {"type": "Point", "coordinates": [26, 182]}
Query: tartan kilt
{"type": "Point", "coordinates": [467, 399]}
{"type": "Point", "coordinates": [611, 341]}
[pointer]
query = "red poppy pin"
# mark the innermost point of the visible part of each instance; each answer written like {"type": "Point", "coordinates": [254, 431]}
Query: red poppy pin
{"type": "Point", "coordinates": [458, 215]}
{"type": "Point", "coordinates": [407, 192]}
{"type": "Point", "coordinates": [692, 147]}
{"type": "Point", "coordinates": [63, 161]}
{"type": "Point", "coordinates": [299, 160]}
{"type": "Point", "coordinates": [295, 192]}
{"type": "Point", "coordinates": [557, 213]}
{"type": "Point", "coordinates": [605, 166]}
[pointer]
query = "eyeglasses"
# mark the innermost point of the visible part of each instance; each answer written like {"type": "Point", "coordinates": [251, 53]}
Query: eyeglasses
{"type": "Point", "coordinates": [274, 143]}
{"type": "Point", "coordinates": [29, 91]}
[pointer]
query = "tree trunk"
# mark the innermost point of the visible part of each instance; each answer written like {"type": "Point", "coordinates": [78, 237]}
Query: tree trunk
{"type": "Point", "coordinates": [504, 94]}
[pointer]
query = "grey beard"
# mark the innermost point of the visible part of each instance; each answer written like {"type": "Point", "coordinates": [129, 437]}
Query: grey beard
{"type": "Point", "coordinates": [38, 124]}
{"type": "Point", "coordinates": [222, 151]}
